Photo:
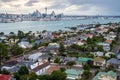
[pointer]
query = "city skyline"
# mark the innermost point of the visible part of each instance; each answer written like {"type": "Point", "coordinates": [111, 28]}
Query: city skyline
{"type": "Point", "coordinates": [68, 7]}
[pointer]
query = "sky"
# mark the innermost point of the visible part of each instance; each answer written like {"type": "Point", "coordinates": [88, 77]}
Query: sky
{"type": "Point", "coordinates": [68, 7]}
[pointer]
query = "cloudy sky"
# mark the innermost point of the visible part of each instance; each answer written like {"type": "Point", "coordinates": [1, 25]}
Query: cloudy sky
{"type": "Point", "coordinates": [70, 7]}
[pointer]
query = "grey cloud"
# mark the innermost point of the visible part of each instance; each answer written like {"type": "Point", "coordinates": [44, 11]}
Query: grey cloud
{"type": "Point", "coordinates": [31, 2]}
{"type": "Point", "coordinates": [108, 6]}
{"type": "Point", "coordinates": [6, 0]}
{"type": "Point", "coordinates": [58, 6]}
{"type": "Point", "coordinates": [15, 5]}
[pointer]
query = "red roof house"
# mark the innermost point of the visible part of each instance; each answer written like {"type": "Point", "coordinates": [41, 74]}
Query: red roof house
{"type": "Point", "coordinates": [5, 77]}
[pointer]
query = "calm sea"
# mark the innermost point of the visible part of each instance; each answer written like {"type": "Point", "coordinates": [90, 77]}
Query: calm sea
{"type": "Point", "coordinates": [47, 25]}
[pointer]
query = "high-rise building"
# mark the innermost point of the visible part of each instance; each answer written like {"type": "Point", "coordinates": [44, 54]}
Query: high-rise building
{"type": "Point", "coordinates": [46, 10]}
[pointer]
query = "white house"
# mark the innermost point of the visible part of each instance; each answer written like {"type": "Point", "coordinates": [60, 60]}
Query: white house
{"type": "Point", "coordinates": [106, 46]}
{"type": "Point", "coordinates": [98, 53]}
{"type": "Point", "coordinates": [40, 67]}
{"type": "Point", "coordinates": [53, 45]}
{"type": "Point", "coordinates": [35, 57]}
{"type": "Point", "coordinates": [109, 53]}
{"type": "Point", "coordinates": [3, 37]}
{"type": "Point", "coordinates": [24, 44]}
{"type": "Point", "coordinates": [73, 74]}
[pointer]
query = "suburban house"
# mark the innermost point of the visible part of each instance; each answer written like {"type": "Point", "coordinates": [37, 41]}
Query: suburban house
{"type": "Point", "coordinates": [24, 44]}
{"type": "Point", "coordinates": [13, 66]}
{"type": "Point", "coordinates": [89, 35]}
{"type": "Point", "coordinates": [3, 37]}
{"type": "Point", "coordinates": [80, 43]}
{"type": "Point", "coordinates": [115, 62]}
{"type": "Point", "coordinates": [10, 66]}
{"type": "Point", "coordinates": [99, 61]}
{"type": "Point", "coordinates": [108, 41]}
{"type": "Point", "coordinates": [67, 59]}
{"type": "Point", "coordinates": [109, 53]}
{"type": "Point", "coordinates": [85, 36]}
{"type": "Point", "coordinates": [46, 35]}
{"type": "Point", "coordinates": [34, 57]}
{"type": "Point", "coordinates": [69, 42]}
{"type": "Point", "coordinates": [73, 74]}
{"type": "Point", "coordinates": [106, 46]}
{"type": "Point", "coordinates": [6, 77]}
{"type": "Point", "coordinates": [51, 69]}
{"type": "Point", "coordinates": [40, 67]}
{"type": "Point", "coordinates": [82, 60]}
{"type": "Point", "coordinates": [53, 46]}
{"type": "Point", "coordinates": [99, 54]}
{"type": "Point", "coordinates": [106, 76]}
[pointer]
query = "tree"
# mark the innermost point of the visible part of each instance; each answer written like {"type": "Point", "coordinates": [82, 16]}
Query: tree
{"type": "Point", "coordinates": [90, 62]}
{"type": "Point", "coordinates": [1, 33]}
{"type": "Point", "coordinates": [31, 76]}
{"type": "Point", "coordinates": [71, 63]}
{"type": "Point", "coordinates": [35, 46]}
{"type": "Point", "coordinates": [16, 76]}
{"type": "Point", "coordinates": [58, 75]}
{"type": "Point", "coordinates": [86, 74]}
{"type": "Point", "coordinates": [25, 77]}
{"type": "Point", "coordinates": [110, 67]}
{"type": "Point", "coordinates": [96, 72]}
{"type": "Point", "coordinates": [62, 69]}
{"type": "Point", "coordinates": [86, 67]}
{"type": "Point", "coordinates": [89, 41]}
{"type": "Point", "coordinates": [3, 51]}
{"type": "Point", "coordinates": [49, 58]}
{"type": "Point", "coordinates": [57, 60]}
{"type": "Point", "coordinates": [20, 34]}
{"type": "Point", "coordinates": [98, 25]}
{"type": "Point", "coordinates": [16, 50]}
{"type": "Point", "coordinates": [62, 48]}
{"type": "Point", "coordinates": [12, 33]}
{"type": "Point", "coordinates": [4, 71]}
{"type": "Point", "coordinates": [45, 77]}
{"type": "Point", "coordinates": [100, 48]}
{"type": "Point", "coordinates": [23, 70]}
{"type": "Point", "coordinates": [113, 56]}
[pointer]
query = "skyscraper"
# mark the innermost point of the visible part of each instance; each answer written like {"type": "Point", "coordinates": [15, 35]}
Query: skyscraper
{"type": "Point", "coordinates": [46, 10]}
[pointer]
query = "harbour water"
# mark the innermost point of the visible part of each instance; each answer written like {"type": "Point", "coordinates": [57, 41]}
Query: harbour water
{"type": "Point", "coordinates": [48, 25]}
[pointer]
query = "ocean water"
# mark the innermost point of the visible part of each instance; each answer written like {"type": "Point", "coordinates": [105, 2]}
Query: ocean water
{"type": "Point", "coordinates": [47, 25]}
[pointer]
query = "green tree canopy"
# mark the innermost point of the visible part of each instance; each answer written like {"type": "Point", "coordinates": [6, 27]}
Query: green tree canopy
{"type": "Point", "coordinates": [71, 63]}
{"type": "Point", "coordinates": [58, 75]}
{"type": "Point", "coordinates": [57, 60]}
{"type": "Point", "coordinates": [16, 50]}
{"type": "Point", "coordinates": [3, 51]}
{"type": "Point", "coordinates": [23, 70]}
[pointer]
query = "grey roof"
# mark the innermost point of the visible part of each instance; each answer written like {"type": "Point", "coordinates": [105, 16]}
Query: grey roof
{"type": "Point", "coordinates": [114, 61]}
{"type": "Point", "coordinates": [118, 56]}
{"type": "Point", "coordinates": [15, 69]}
{"type": "Point", "coordinates": [27, 64]}
{"type": "Point", "coordinates": [10, 63]}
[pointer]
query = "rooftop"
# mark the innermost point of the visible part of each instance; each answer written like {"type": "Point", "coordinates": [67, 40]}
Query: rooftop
{"type": "Point", "coordinates": [4, 77]}
{"type": "Point", "coordinates": [10, 63]}
{"type": "Point", "coordinates": [51, 69]}
{"type": "Point", "coordinates": [73, 72]}
{"type": "Point", "coordinates": [114, 61]}
{"type": "Point", "coordinates": [104, 76]}
{"type": "Point", "coordinates": [40, 67]}
{"type": "Point", "coordinates": [81, 59]}
{"type": "Point", "coordinates": [98, 59]}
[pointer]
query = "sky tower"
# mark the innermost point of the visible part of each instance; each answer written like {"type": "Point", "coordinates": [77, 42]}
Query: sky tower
{"type": "Point", "coordinates": [46, 10]}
